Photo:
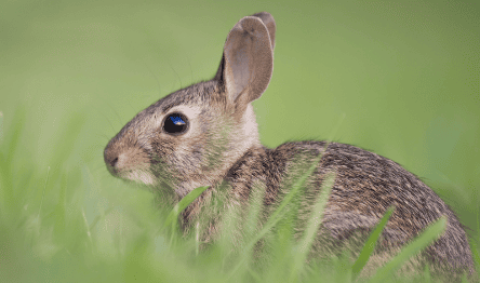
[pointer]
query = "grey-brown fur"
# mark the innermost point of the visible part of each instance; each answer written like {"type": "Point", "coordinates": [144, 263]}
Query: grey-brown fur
{"type": "Point", "coordinates": [221, 149]}
{"type": "Point", "coordinates": [366, 185]}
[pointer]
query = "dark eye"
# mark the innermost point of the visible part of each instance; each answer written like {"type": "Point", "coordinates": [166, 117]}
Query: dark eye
{"type": "Point", "coordinates": [175, 124]}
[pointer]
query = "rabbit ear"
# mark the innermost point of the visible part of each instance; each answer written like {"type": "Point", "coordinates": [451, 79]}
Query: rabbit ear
{"type": "Point", "coordinates": [269, 22]}
{"type": "Point", "coordinates": [247, 61]}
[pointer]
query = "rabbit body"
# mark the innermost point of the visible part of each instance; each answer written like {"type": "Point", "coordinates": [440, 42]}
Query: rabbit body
{"type": "Point", "coordinates": [206, 135]}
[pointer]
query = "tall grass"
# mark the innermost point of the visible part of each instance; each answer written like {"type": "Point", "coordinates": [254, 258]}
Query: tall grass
{"type": "Point", "coordinates": [52, 230]}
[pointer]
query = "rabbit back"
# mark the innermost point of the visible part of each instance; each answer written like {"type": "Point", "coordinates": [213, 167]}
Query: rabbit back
{"type": "Point", "coordinates": [366, 185]}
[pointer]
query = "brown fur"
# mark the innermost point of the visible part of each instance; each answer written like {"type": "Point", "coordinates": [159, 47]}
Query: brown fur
{"type": "Point", "coordinates": [221, 149]}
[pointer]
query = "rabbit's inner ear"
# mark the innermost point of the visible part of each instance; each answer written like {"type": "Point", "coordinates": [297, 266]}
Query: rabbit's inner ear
{"type": "Point", "coordinates": [247, 62]}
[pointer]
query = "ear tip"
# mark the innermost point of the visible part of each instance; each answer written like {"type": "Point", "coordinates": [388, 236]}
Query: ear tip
{"type": "Point", "coordinates": [251, 19]}
{"type": "Point", "coordinates": [265, 16]}
{"type": "Point", "coordinates": [269, 22]}
{"type": "Point", "coordinates": [251, 25]}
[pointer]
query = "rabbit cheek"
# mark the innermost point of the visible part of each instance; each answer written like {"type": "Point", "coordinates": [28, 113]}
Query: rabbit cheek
{"type": "Point", "coordinates": [174, 159]}
{"type": "Point", "coordinates": [129, 163]}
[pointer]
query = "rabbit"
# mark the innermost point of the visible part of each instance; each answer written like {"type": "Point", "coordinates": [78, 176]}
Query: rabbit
{"type": "Point", "coordinates": [206, 135]}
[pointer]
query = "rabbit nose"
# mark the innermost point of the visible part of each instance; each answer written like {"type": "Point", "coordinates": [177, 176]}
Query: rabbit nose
{"type": "Point", "coordinates": [111, 160]}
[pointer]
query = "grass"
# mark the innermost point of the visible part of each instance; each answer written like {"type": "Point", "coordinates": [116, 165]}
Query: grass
{"type": "Point", "coordinates": [370, 244]}
{"type": "Point", "coordinates": [405, 75]}
{"type": "Point", "coordinates": [50, 233]}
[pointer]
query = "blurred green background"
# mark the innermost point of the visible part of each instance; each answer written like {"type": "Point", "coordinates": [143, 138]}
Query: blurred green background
{"type": "Point", "coordinates": [400, 78]}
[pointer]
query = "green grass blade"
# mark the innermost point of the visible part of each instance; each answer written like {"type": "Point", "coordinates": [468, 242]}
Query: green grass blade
{"type": "Point", "coordinates": [172, 217]}
{"type": "Point", "coordinates": [1, 127]}
{"type": "Point", "coordinates": [61, 209]}
{"type": "Point", "coordinates": [256, 202]}
{"type": "Point", "coordinates": [230, 230]}
{"type": "Point", "coordinates": [14, 133]}
{"type": "Point", "coordinates": [426, 274]}
{"type": "Point", "coordinates": [65, 144]}
{"type": "Point", "coordinates": [182, 204]}
{"type": "Point", "coordinates": [370, 244]}
{"type": "Point", "coordinates": [250, 225]}
{"type": "Point", "coordinates": [475, 255]}
{"type": "Point", "coordinates": [278, 213]}
{"type": "Point", "coordinates": [9, 146]}
{"type": "Point", "coordinates": [197, 238]}
{"type": "Point", "coordinates": [312, 226]}
{"type": "Point", "coordinates": [431, 233]}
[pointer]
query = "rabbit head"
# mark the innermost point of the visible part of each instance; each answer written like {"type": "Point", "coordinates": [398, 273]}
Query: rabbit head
{"type": "Point", "coordinates": [192, 137]}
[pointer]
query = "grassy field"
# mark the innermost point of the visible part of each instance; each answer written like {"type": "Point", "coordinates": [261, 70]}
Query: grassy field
{"type": "Point", "coordinates": [399, 78]}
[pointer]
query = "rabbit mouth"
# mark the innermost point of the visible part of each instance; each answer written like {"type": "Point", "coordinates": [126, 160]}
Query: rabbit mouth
{"type": "Point", "coordinates": [139, 176]}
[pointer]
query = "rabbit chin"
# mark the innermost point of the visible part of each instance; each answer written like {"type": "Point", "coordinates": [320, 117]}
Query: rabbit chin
{"type": "Point", "coordinates": [140, 176]}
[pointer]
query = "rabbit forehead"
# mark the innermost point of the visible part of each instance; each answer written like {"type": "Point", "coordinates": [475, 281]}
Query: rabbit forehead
{"type": "Point", "coordinates": [196, 94]}
{"type": "Point", "coordinates": [188, 101]}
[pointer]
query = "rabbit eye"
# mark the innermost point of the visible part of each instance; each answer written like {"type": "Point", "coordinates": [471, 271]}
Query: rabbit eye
{"type": "Point", "coordinates": [175, 124]}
